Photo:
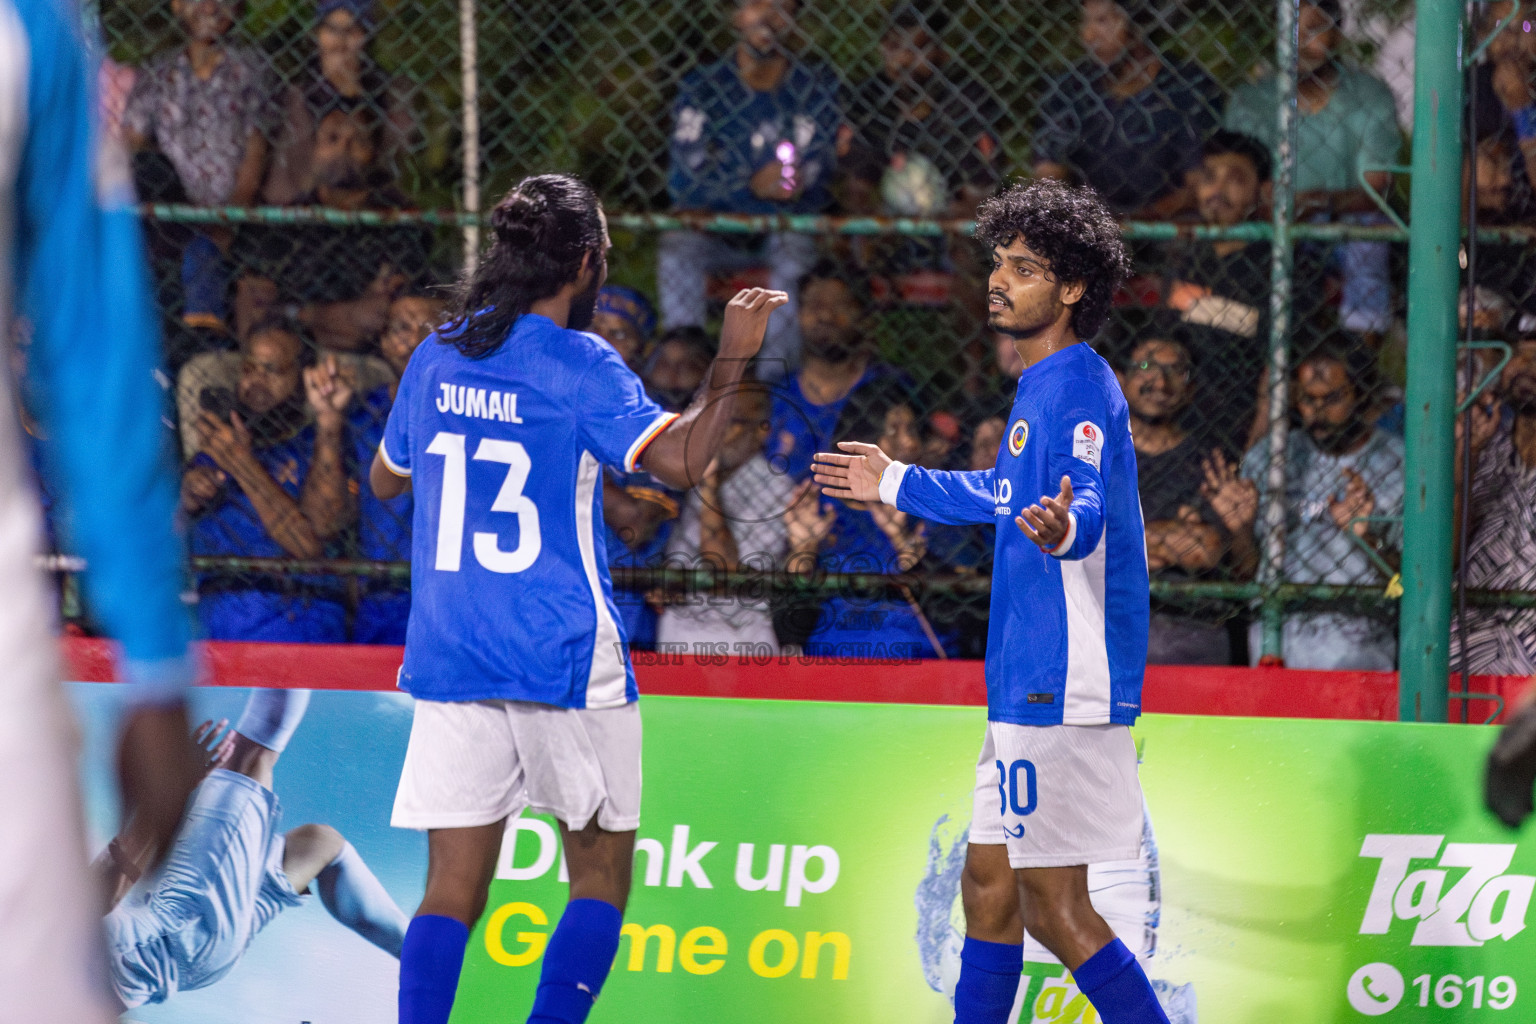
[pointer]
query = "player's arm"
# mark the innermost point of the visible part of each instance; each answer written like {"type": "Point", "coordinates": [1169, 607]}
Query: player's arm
{"type": "Point", "coordinates": [1069, 524]}
{"type": "Point", "coordinates": [390, 472]}
{"type": "Point", "coordinates": [862, 472]}
{"type": "Point", "coordinates": [685, 447]}
{"type": "Point", "coordinates": [82, 283]}
{"type": "Point", "coordinates": [386, 483]}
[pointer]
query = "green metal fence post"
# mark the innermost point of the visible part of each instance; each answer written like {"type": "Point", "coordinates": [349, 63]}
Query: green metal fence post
{"type": "Point", "coordinates": [1272, 562]}
{"type": "Point", "coordinates": [1433, 278]}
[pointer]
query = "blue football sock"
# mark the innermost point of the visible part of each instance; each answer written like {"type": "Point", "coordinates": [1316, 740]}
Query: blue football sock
{"type": "Point", "coordinates": [576, 962]}
{"type": "Point", "coordinates": [1118, 988]}
{"type": "Point", "coordinates": [430, 960]}
{"type": "Point", "coordinates": [989, 981]}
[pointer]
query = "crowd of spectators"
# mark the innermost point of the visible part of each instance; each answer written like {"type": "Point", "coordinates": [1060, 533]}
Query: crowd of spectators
{"type": "Point", "coordinates": [290, 336]}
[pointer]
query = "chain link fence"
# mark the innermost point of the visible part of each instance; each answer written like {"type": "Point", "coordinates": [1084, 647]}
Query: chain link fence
{"type": "Point", "coordinates": [312, 175]}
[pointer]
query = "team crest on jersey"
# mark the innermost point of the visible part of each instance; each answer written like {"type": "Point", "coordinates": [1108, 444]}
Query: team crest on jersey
{"type": "Point", "coordinates": [1018, 436]}
{"type": "Point", "coordinates": [1088, 442]}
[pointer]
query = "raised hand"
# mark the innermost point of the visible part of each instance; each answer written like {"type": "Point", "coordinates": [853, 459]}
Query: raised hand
{"type": "Point", "coordinates": [1234, 498]}
{"type": "Point", "coordinates": [805, 521]}
{"type": "Point", "coordinates": [1357, 503]}
{"type": "Point", "coordinates": [328, 392]}
{"type": "Point", "coordinates": [746, 321]}
{"type": "Point", "coordinates": [854, 475]}
{"type": "Point", "coordinates": [1047, 523]}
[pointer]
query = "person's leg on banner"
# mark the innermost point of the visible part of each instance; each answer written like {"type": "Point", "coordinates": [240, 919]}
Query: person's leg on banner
{"type": "Point", "coordinates": [992, 959]}
{"type": "Point", "coordinates": [581, 951]}
{"type": "Point", "coordinates": [1058, 912]}
{"type": "Point", "coordinates": [460, 864]}
{"type": "Point", "coordinates": [353, 894]}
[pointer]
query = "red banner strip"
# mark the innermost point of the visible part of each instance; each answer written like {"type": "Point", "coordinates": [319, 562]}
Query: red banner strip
{"type": "Point", "coordinates": [1257, 692]}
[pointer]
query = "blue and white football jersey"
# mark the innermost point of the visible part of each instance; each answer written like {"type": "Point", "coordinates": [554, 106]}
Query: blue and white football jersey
{"type": "Point", "coordinates": [1067, 639]}
{"type": "Point", "coordinates": [510, 593]}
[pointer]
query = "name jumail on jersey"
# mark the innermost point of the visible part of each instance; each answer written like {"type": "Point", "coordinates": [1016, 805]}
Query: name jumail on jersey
{"type": "Point", "coordinates": [1457, 892]}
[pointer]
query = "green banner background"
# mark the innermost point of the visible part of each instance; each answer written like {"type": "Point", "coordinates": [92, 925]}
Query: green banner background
{"type": "Point", "coordinates": [1260, 825]}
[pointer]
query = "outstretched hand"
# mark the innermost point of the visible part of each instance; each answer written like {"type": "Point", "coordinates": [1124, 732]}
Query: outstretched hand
{"type": "Point", "coordinates": [1047, 523]}
{"type": "Point", "coordinates": [853, 476]}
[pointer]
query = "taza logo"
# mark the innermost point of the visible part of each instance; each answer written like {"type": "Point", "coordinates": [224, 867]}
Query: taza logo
{"type": "Point", "coordinates": [1467, 909]}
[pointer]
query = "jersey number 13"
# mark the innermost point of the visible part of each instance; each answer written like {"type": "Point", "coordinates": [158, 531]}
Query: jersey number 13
{"type": "Point", "coordinates": [450, 510]}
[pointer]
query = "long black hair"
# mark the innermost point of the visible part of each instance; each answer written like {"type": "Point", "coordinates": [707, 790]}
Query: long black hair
{"type": "Point", "coordinates": [540, 231]}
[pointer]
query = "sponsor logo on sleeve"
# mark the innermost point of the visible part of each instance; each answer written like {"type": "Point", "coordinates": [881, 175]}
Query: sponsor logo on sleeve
{"type": "Point", "coordinates": [1088, 442]}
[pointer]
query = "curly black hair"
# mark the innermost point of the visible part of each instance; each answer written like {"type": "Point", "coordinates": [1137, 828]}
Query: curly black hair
{"type": "Point", "coordinates": [1072, 231]}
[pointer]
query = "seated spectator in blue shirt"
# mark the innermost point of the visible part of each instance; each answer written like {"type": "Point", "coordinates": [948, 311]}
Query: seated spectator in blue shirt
{"type": "Point", "coordinates": [853, 537]}
{"type": "Point", "coordinates": [384, 525]}
{"type": "Point", "coordinates": [1127, 120]}
{"type": "Point", "coordinates": [624, 319]}
{"type": "Point", "coordinates": [835, 363]}
{"type": "Point", "coordinates": [265, 484]}
{"type": "Point", "coordinates": [754, 132]}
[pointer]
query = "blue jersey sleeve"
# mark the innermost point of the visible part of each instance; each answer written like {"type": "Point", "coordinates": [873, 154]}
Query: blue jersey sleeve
{"type": "Point", "coordinates": [618, 419]}
{"type": "Point", "coordinates": [83, 284]}
{"type": "Point", "coordinates": [1077, 450]}
{"type": "Point", "coordinates": [948, 496]}
{"type": "Point", "coordinates": [395, 445]}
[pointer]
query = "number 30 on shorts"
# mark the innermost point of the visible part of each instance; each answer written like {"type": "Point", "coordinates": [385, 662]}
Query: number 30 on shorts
{"type": "Point", "coordinates": [1009, 780]}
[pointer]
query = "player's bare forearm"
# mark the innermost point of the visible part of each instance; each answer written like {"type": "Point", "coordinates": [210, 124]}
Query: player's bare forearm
{"type": "Point", "coordinates": [386, 483]}
{"type": "Point", "coordinates": [681, 454]}
{"type": "Point", "coordinates": [324, 499]}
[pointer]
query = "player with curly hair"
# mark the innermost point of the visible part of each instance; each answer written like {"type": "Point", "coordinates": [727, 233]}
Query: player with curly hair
{"type": "Point", "coordinates": [1056, 784]}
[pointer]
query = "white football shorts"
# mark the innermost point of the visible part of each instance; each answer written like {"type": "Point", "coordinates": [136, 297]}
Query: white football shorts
{"type": "Point", "coordinates": [476, 762]}
{"type": "Point", "coordinates": [1058, 795]}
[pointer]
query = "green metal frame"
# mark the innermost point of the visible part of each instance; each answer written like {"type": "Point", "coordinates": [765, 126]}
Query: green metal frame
{"type": "Point", "coordinates": [1271, 573]}
{"type": "Point", "coordinates": [1376, 197]}
{"type": "Point", "coordinates": [1433, 283]}
{"type": "Point", "coordinates": [1492, 375]}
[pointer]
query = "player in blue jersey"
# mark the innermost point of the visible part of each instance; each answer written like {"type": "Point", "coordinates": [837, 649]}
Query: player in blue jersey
{"type": "Point", "coordinates": [72, 267]}
{"type": "Point", "coordinates": [1056, 785]}
{"type": "Point", "coordinates": [524, 698]}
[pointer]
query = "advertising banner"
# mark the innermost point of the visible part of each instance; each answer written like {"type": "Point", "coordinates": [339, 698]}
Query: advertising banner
{"type": "Point", "coordinates": [800, 861]}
